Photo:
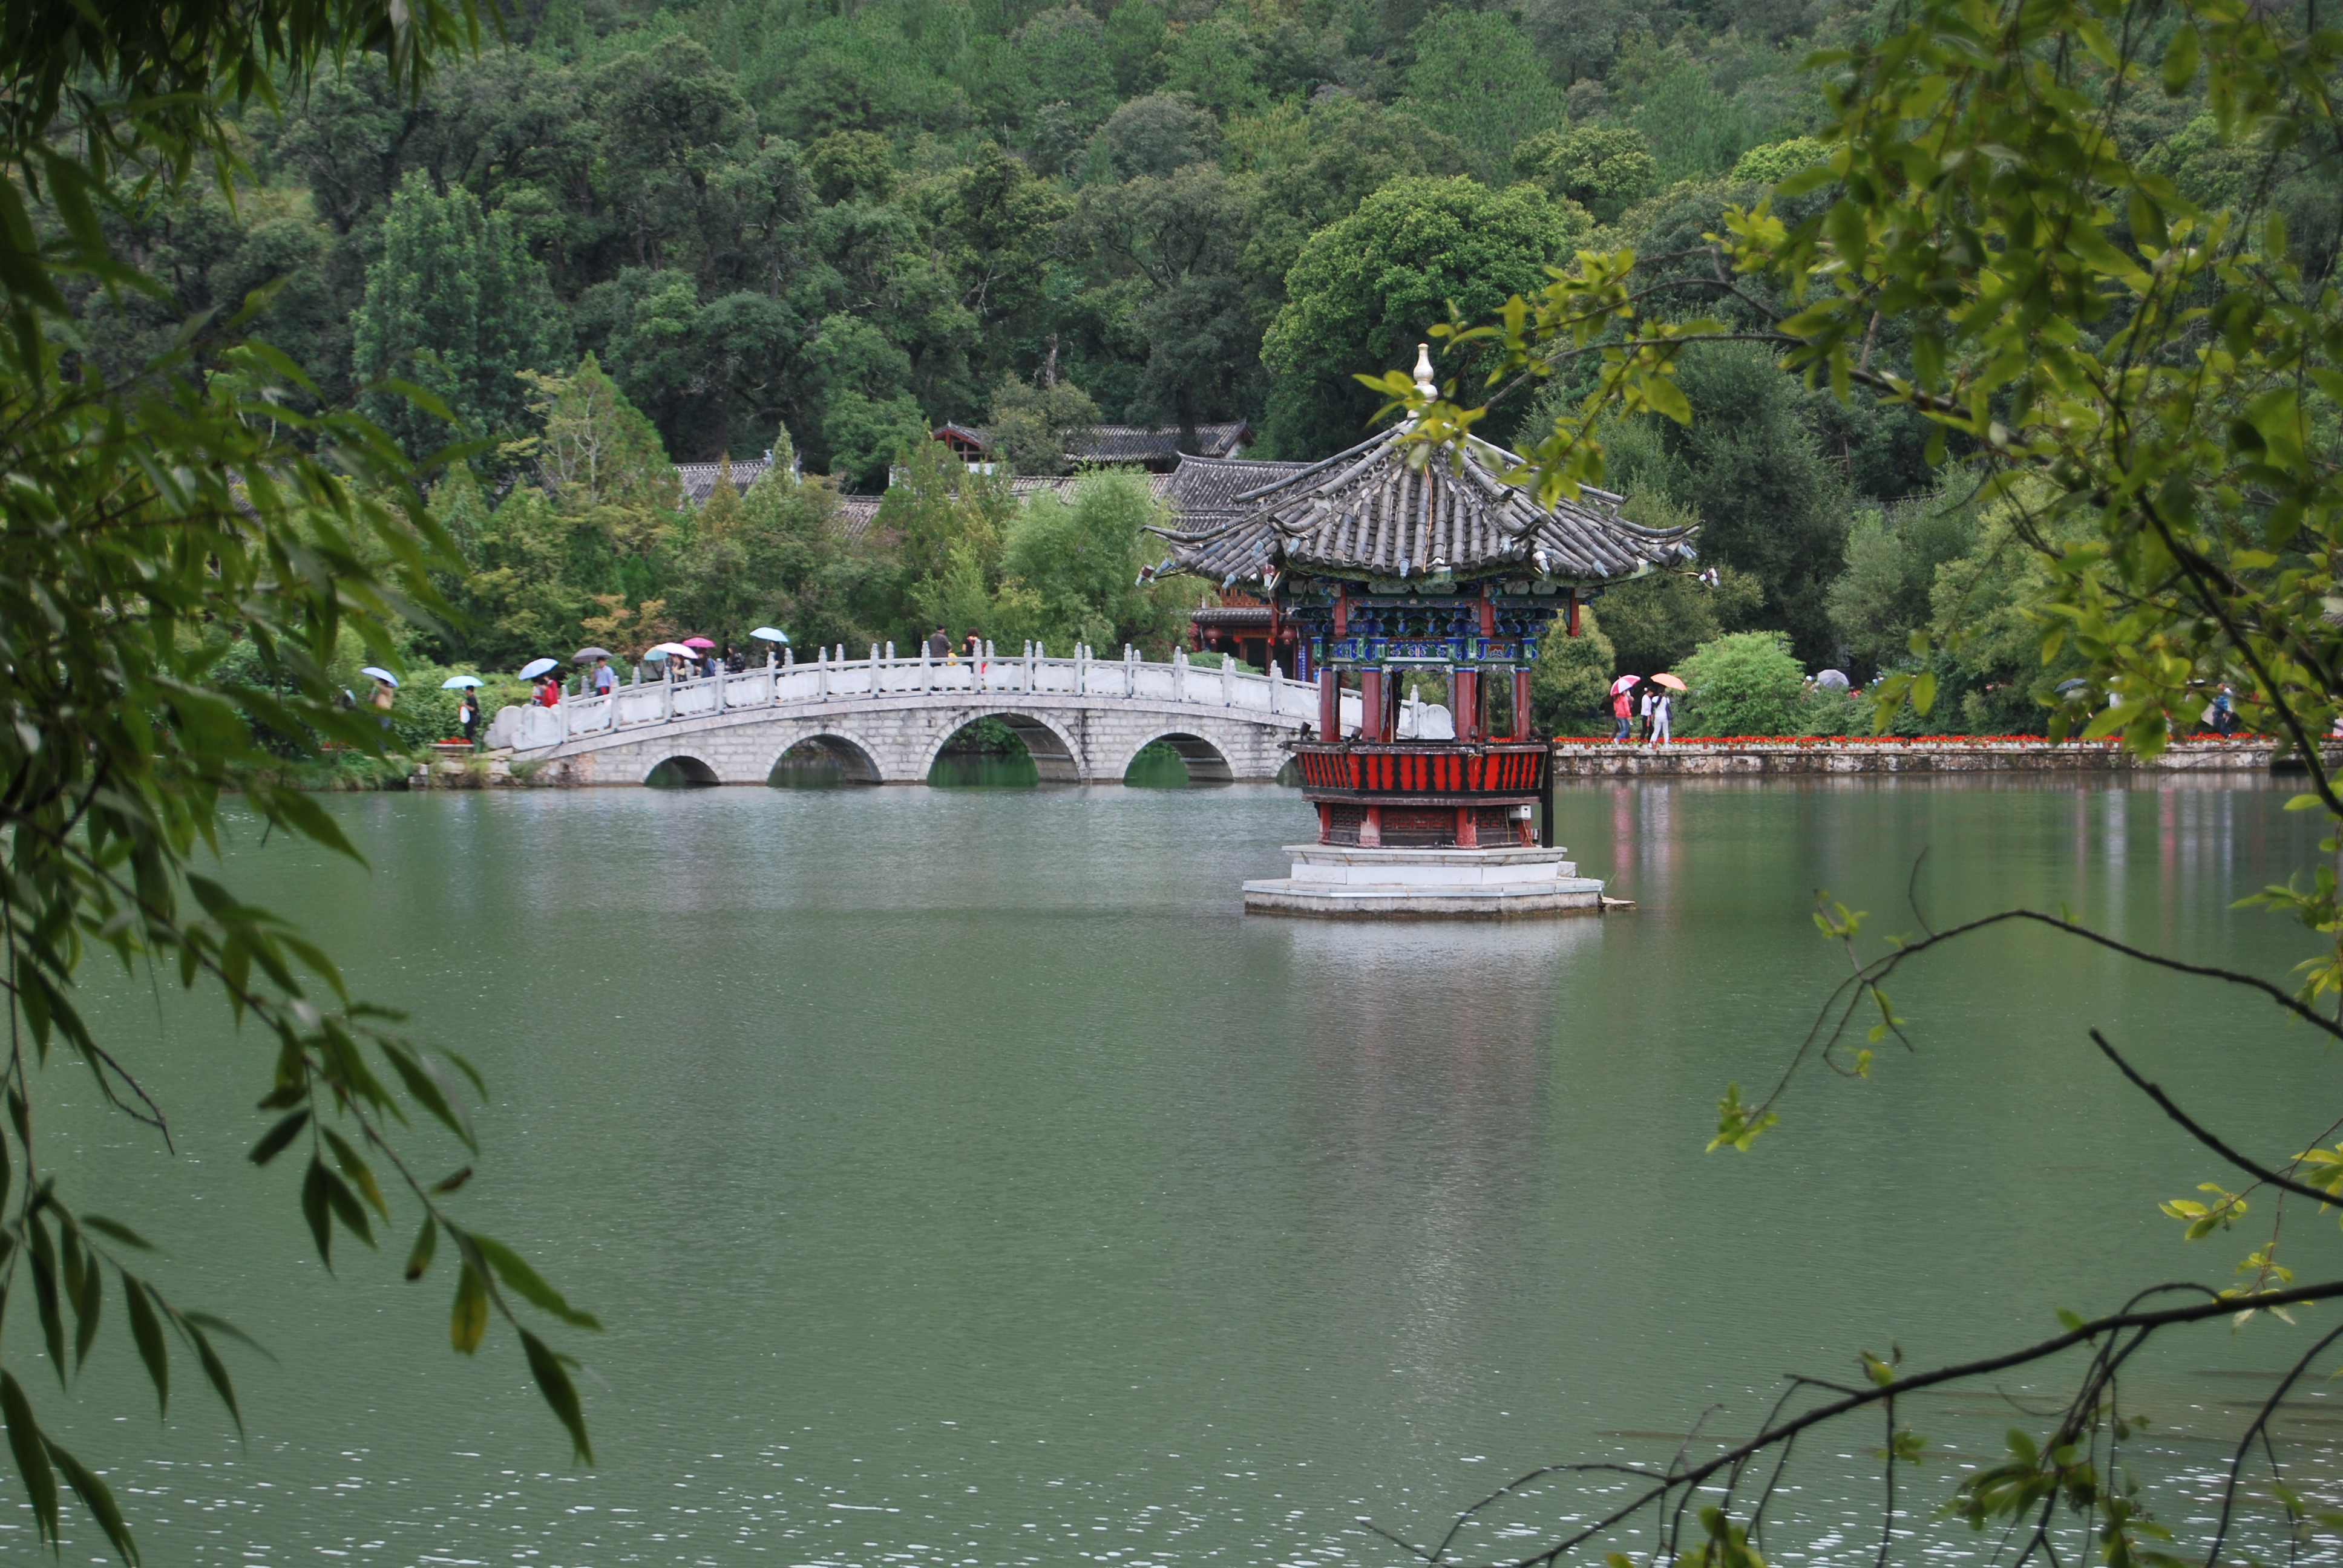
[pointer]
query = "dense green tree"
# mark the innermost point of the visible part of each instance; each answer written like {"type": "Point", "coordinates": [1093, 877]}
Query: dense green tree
{"type": "Point", "coordinates": [1031, 424]}
{"type": "Point", "coordinates": [1893, 556]}
{"type": "Point", "coordinates": [1477, 78]}
{"type": "Point", "coordinates": [1571, 679]}
{"type": "Point", "coordinates": [1604, 169]}
{"type": "Point", "coordinates": [1752, 470]}
{"type": "Point", "coordinates": [1173, 292]}
{"type": "Point", "coordinates": [1076, 560]}
{"type": "Point", "coordinates": [1156, 134]}
{"type": "Point", "coordinates": [1368, 289]}
{"type": "Point", "coordinates": [458, 307]}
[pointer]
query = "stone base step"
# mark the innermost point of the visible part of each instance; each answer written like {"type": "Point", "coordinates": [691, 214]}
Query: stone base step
{"type": "Point", "coordinates": [1344, 882]}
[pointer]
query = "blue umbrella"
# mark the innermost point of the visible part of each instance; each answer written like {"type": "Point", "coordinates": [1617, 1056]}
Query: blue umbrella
{"type": "Point", "coordinates": [459, 682]}
{"type": "Point", "coordinates": [537, 666]}
{"type": "Point", "coordinates": [378, 673]}
{"type": "Point", "coordinates": [770, 634]}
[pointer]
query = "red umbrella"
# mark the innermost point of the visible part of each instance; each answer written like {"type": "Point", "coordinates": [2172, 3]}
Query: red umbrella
{"type": "Point", "coordinates": [1623, 683]}
{"type": "Point", "coordinates": [698, 642]}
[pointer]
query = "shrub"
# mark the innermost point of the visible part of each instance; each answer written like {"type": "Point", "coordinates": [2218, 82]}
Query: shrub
{"type": "Point", "coordinates": [1746, 683]}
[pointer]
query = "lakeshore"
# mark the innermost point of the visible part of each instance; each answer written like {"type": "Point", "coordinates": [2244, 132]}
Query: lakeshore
{"type": "Point", "coordinates": [1839, 754]}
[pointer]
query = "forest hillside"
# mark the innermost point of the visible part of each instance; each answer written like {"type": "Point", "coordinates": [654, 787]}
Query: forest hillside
{"type": "Point", "coordinates": [718, 226]}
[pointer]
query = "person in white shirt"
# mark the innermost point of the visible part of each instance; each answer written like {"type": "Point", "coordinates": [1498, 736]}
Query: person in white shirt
{"type": "Point", "coordinates": [1659, 719]}
{"type": "Point", "coordinates": [1646, 711]}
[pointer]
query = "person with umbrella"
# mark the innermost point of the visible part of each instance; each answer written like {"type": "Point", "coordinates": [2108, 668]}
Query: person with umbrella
{"type": "Point", "coordinates": [602, 680]}
{"type": "Point", "coordinates": [549, 689]}
{"type": "Point", "coordinates": [1623, 707]}
{"type": "Point", "coordinates": [385, 694]}
{"type": "Point", "coordinates": [1664, 687]}
{"type": "Point", "coordinates": [468, 703]}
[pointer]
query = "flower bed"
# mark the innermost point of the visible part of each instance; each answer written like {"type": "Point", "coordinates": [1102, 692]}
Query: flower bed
{"type": "Point", "coordinates": [2023, 741]}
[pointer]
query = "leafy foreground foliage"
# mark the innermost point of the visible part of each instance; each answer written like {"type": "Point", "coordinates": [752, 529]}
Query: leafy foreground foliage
{"type": "Point", "coordinates": [2142, 390]}
{"type": "Point", "coordinates": [154, 518]}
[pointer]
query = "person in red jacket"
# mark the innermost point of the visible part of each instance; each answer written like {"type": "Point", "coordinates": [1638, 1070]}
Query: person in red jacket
{"type": "Point", "coordinates": [1622, 709]}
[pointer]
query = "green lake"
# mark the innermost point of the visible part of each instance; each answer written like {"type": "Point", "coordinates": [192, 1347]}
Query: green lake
{"type": "Point", "coordinates": [963, 1179]}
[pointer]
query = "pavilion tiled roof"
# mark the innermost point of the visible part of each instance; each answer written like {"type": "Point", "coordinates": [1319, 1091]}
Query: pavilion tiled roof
{"type": "Point", "coordinates": [1368, 511]}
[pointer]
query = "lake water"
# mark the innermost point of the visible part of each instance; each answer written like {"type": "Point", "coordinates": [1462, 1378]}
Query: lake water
{"type": "Point", "coordinates": [963, 1179]}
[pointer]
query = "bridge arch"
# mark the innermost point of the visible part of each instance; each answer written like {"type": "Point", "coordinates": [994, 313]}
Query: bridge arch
{"type": "Point", "coordinates": [1057, 756]}
{"type": "Point", "coordinates": [681, 769]}
{"type": "Point", "coordinates": [1206, 762]}
{"type": "Point", "coordinates": [855, 760]}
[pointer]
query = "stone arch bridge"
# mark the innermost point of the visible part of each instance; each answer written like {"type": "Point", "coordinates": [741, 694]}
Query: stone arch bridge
{"type": "Point", "coordinates": [886, 719]}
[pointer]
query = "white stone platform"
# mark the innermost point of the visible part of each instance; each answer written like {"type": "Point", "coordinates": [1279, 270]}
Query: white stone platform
{"type": "Point", "coordinates": [1343, 881]}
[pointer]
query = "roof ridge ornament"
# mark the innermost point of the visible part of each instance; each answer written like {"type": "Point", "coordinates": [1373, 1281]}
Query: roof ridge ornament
{"type": "Point", "coordinates": [1423, 378]}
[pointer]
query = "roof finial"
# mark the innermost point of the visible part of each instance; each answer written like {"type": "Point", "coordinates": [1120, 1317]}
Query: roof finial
{"type": "Point", "coordinates": [1423, 381]}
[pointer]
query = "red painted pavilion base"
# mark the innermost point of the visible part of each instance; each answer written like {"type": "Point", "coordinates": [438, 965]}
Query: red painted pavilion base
{"type": "Point", "coordinates": [1424, 794]}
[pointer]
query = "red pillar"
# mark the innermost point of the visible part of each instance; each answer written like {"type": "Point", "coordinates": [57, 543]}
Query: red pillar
{"type": "Point", "coordinates": [1326, 823]}
{"type": "Point", "coordinates": [1521, 705]}
{"type": "Point", "coordinates": [1371, 705]}
{"type": "Point", "coordinates": [1371, 831]}
{"type": "Point", "coordinates": [1574, 612]}
{"type": "Point", "coordinates": [1468, 832]}
{"type": "Point", "coordinates": [1330, 704]}
{"type": "Point", "coordinates": [1464, 687]}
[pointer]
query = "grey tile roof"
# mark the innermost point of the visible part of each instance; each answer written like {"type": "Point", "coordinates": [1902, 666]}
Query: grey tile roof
{"type": "Point", "coordinates": [1368, 511]}
{"type": "Point", "coordinates": [1100, 444]}
{"type": "Point", "coordinates": [1204, 490]}
{"type": "Point", "coordinates": [699, 479]}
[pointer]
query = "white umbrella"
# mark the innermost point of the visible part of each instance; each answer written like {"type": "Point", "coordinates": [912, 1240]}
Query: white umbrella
{"type": "Point", "coordinates": [380, 674]}
{"type": "Point", "coordinates": [537, 666]}
{"type": "Point", "coordinates": [459, 682]}
{"type": "Point", "coordinates": [769, 634]}
{"type": "Point", "coordinates": [1623, 683]}
{"type": "Point", "coordinates": [1832, 680]}
{"type": "Point", "coordinates": [672, 650]}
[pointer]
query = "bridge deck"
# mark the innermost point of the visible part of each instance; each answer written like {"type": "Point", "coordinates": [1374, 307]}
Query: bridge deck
{"type": "Point", "coordinates": [1081, 717]}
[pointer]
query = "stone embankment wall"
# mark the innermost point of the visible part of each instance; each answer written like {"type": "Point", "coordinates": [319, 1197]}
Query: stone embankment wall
{"type": "Point", "coordinates": [1839, 754]}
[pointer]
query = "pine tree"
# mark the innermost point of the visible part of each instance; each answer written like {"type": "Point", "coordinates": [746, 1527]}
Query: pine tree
{"type": "Point", "coordinates": [457, 307]}
{"type": "Point", "coordinates": [720, 517]}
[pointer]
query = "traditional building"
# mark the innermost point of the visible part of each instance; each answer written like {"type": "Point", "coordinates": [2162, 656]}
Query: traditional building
{"type": "Point", "coordinates": [1368, 565]}
{"type": "Point", "coordinates": [1158, 448]}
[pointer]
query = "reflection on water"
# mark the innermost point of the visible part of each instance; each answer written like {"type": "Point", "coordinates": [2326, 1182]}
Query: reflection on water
{"type": "Point", "coordinates": [963, 1177]}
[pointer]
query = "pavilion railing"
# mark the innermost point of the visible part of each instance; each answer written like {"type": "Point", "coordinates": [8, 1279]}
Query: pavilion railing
{"type": "Point", "coordinates": [831, 676]}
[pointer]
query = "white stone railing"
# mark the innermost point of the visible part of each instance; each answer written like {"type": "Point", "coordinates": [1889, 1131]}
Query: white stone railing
{"type": "Point", "coordinates": [834, 677]}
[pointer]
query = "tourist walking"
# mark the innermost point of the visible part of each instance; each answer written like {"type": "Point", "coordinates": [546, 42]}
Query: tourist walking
{"type": "Point", "coordinates": [1656, 725]}
{"type": "Point", "coordinates": [548, 691]}
{"type": "Point", "coordinates": [1623, 708]}
{"type": "Point", "coordinates": [2224, 718]}
{"type": "Point", "coordinates": [940, 644]}
{"type": "Point", "coordinates": [467, 715]}
{"type": "Point", "coordinates": [1646, 709]}
{"type": "Point", "coordinates": [606, 680]}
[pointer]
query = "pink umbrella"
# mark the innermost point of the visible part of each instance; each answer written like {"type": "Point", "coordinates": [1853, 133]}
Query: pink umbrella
{"type": "Point", "coordinates": [698, 642]}
{"type": "Point", "coordinates": [1623, 683]}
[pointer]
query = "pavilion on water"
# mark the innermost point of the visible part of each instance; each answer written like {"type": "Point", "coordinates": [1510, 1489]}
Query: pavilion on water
{"type": "Point", "coordinates": [1371, 567]}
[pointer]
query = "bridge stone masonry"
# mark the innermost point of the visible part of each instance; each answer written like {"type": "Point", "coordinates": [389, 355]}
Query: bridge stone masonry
{"type": "Point", "coordinates": [885, 718]}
